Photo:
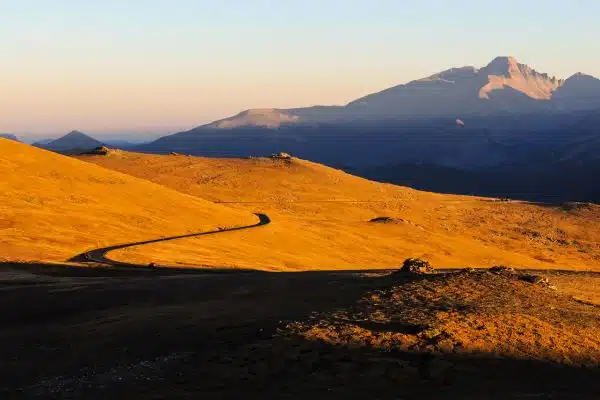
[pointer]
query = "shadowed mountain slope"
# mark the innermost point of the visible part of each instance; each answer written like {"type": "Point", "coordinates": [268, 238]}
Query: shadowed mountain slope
{"type": "Point", "coordinates": [9, 136]}
{"type": "Point", "coordinates": [504, 86]}
{"type": "Point", "coordinates": [516, 125]}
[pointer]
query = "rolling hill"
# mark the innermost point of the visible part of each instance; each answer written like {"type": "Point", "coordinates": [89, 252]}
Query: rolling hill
{"type": "Point", "coordinates": [53, 207]}
{"type": "Point", "coordinates": [323, 218]}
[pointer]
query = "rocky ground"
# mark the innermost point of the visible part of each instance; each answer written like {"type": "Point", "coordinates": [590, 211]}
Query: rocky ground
{"type": "Point", "coordinates": [75, 333]}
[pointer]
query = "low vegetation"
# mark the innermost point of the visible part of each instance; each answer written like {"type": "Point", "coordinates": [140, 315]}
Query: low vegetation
{"type": "Point", "coordinates": [473, 312]}
{"type": "Point", "coordinates": [326, 219]}
{"type": "Point", "coordinates": [54, 207]}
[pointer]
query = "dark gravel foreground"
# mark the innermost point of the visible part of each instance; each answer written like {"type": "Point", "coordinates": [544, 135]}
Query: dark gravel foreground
{"type": "Point", "coordinates": [148, 334]}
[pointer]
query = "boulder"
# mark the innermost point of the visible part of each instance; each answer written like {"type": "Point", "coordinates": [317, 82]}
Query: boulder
{"type": "Point", "coordinates": [99, 151]}
{"type": "Point", "coordinates": [417, 266]}
{"type": "Point", "coordinates": [536, 280]}
{"type": "Point", "coordinates": [281, 156]}
{"type": "Point", "coordinates": [502, 270]}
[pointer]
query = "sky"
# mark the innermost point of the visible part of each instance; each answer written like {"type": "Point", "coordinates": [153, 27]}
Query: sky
{"type": "Point", "coordinates": [159, 66]}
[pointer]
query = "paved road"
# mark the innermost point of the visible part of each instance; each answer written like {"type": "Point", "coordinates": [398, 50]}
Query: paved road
{"type": "Point", "coordinates": [100, 255]}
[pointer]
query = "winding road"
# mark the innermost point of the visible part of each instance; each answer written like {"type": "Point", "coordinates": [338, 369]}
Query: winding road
{"type": "Point", "coordinates": [100, 255]}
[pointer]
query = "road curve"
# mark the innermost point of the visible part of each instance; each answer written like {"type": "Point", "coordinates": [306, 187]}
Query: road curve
{"type": "Point", "coordinates": [100, 255]}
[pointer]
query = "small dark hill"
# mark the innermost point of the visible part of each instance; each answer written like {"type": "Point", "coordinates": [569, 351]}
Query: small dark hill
{"type": "Point", "coordinates": [72, 142]}
{"type": "Point", "coordinates": [9, 136]}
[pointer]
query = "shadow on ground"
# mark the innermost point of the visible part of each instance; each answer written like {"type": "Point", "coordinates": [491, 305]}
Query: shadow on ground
{"type": "Point", "coordinates": [70, 333]}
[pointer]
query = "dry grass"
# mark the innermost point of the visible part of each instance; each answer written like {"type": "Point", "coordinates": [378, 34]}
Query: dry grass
{"type": "Point", "coordinates": [464, 313]}
{"type": "Point", "coordinates": [321, 220]}
{"type": "Point", "coordinates": [582, 286]}
{"type": "Point", "coordinates": [53, 207]}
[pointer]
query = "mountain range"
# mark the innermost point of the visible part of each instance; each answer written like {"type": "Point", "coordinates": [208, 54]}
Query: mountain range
{"type": "Point", "coordinates": [505, 120]}
{"type": "Point", "coordinates": [501, 130]}
{"type": "Point", "coordinates": [504, 86]}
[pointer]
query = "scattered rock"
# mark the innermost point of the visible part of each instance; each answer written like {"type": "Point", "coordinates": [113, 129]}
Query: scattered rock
{"type": "Point", "coordinates": [502, 270]}
{"type": "Point", "coordinates": [281, 156]}
{"type": "Point", "coordinates": [173, 153]}
{"type": "Point", "coordinates": [417, 266]}
{"type": "Point", "coordinates": [468, 270]}
{"type": "Point", "coordinates": [99, 151]}
{"type": "Point", "coordinates": [537, 280]}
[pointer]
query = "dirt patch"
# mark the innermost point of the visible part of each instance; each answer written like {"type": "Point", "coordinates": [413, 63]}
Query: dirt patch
{"type": "Point", "coordinates": [387, 220]}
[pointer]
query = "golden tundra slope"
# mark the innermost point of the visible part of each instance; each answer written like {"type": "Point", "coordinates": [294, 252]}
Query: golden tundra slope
{"type": "Point", "coordinates": [53, 207]}
{"type": "Point", "coordinates": [321, 220]}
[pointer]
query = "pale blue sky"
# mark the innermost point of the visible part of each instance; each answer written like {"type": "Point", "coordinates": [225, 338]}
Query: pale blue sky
{"type": "Point", "coordinates": [166, 65]}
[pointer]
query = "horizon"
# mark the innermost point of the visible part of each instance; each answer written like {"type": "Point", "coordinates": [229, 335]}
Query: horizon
{"type": "Point", "coordinates": [107, 69]}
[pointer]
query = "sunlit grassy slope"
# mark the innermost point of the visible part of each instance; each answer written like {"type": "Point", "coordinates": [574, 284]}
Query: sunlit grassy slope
{"type": "Point", "coordinates": [53, 207]}
{"type": "Point", "coordinates": [321, 220]}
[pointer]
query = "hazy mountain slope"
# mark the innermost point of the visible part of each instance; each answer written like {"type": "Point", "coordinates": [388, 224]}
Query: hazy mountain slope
{"type": "Point", "coordinates": [481, 142]}
{"type": "Point", "coordinates": [414, 122]}
{"type": "Point", "coordinates": [9, 136]}
{"type": "Point", "coordinates": [564, 181]}
{"type": "Point", "coordinates": [54, 207]}
{"type": "Point", "coordinates": [503, 86]}
{"type": "Point", "coordinates": [516, 121]}
{"type": "Point", "coordinates": [72, 142]}
{"type": "Point", "coordinates": [555, 160]}
{"type": "Point", "coordinates": [579, 92]}
{"type": "Point", "coordinates": [321, 220]}
{"type": "Point", "coordinates": [267, 118]}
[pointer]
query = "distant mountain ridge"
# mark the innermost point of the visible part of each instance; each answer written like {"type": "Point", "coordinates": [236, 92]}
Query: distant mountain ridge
{"type": "Point", "coordinates": [265, 117]}
{"type": "Point", "coordinates": [73, 141]}
{"type": "Point", "coordinates": [514, 120]}
{"type": "Point", "coordinates": [504, 86]}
